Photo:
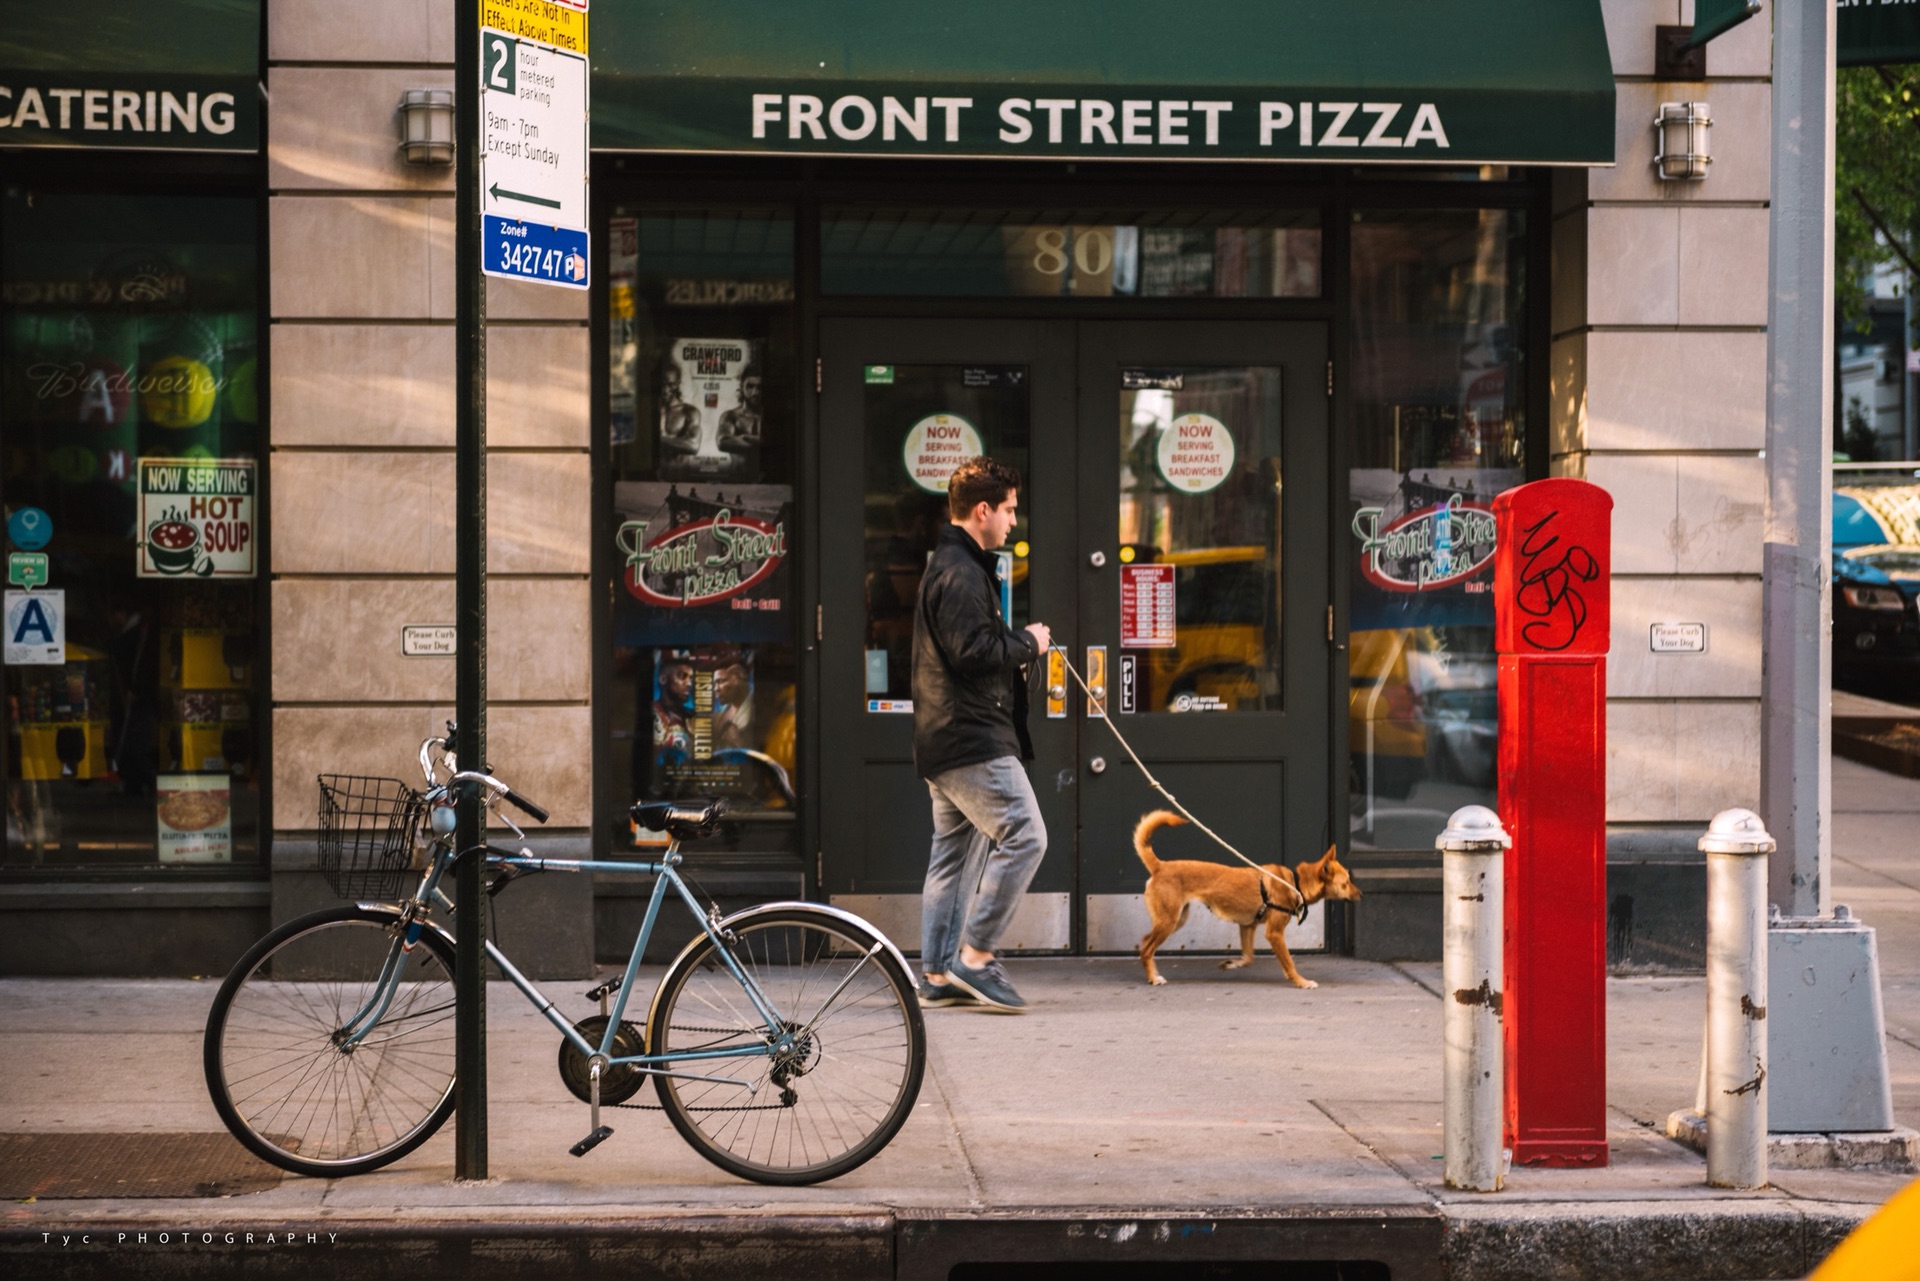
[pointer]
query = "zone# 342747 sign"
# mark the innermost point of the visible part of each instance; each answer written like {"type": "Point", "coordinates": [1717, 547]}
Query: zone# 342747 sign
{"type": "Point", "coordinates": [533, 140]}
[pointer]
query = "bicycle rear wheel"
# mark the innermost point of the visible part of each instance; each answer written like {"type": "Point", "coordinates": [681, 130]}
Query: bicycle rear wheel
{"type": "Point", "coordinates": [280, 1075]}
{"type": "Point", "coordinates": [849, 1081]}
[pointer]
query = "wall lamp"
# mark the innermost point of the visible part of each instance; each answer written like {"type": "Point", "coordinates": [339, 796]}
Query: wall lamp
{"type": "Point", "coordinates": [1680, 151]}
{"type": "Point", "coordinates": [426, 126]}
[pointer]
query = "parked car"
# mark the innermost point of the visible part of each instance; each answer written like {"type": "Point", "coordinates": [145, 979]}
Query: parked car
{"type": "Point", "coordinates": [1898, 561]}
{"type": "Point", "coordinates": [1876, 622]}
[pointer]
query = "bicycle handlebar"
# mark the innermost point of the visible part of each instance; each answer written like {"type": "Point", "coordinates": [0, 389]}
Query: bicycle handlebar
{"type": "Point", "coordinates": [502, 791]}
{"type": "Point", "coordinates": [426, 759]}
{"type": "Point", "coordinates": [527, 807]}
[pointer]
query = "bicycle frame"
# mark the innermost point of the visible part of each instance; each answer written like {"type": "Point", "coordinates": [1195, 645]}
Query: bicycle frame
{"type": "Point", "coordinates": [779, 1030]}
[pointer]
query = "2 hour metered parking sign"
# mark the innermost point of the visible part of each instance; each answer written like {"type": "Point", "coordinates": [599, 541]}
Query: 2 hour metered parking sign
{"type": "Point", "coordinates": [533, 149]}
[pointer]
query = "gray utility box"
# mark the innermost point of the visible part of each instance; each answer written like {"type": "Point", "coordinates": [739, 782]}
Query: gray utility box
{"type": "Point", "coordinates": [1826, 1031]}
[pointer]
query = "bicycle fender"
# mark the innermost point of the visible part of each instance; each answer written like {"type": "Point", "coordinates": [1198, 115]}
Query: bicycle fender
{"type": "Point", "coordinates": [390, 910]}
{"type": "Point", "coordinates": [838, 913]}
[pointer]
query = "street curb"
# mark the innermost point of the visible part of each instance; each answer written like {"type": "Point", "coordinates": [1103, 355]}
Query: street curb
{"type": "Point", "coordinates": [685, 1247]}
{"type": "Point", "coordinates": [1641, 1241]}
{"type": "Point", "coordinates": [1553, 1241]}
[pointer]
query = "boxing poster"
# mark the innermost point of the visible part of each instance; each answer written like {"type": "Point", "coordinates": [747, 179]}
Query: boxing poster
{"type": "Point", "coordinates": [709, 411]}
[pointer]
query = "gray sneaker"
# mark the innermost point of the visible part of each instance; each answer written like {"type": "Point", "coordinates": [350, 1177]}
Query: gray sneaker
{"type": "Point", "coordinates": [988, 985]}
{"type": "Point", "coordinates": [935, 995]}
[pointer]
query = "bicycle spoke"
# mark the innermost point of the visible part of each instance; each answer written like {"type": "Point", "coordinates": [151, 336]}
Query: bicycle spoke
{"type": "Point", "coordinates": [838, 1082]}
{"type": "Point", "coordinates": [287, 1083]}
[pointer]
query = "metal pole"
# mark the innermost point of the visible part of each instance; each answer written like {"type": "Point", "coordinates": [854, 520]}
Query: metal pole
{"type": "Point", "coordinates": [470, 595]}
{"type": "Point", "coordinates": [1474, 884]}
{"type": "Point", "coordinates": [1795, 763]}
{"type": "Point", "coordinates": [1909, 381]}
{"type": "Point", "coordinates": [1736, 846]}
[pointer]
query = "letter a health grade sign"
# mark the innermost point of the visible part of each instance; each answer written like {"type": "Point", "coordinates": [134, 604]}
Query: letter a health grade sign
{"type": "Point", "coordinates": [36, 628]}
{"type": "Point", "coordinates": [533, 141]}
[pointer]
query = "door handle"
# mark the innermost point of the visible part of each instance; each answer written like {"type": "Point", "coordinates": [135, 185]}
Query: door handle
{"type": "Point", "coordinates": [1096, 680]}
{"type": "Point", "coordinates": [1056, 684]}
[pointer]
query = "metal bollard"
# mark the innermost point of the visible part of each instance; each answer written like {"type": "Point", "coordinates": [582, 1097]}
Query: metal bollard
{"type": "Point", "coordinates": [1736, 846]}
{"type": "Point", "coordinates": [1473, 888]}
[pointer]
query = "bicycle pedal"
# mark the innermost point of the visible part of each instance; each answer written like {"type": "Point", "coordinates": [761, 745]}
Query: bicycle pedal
{"type": "Point", "coordinates": [606, 989]}
{"type": "Point", "coordinates": [592, 1141]}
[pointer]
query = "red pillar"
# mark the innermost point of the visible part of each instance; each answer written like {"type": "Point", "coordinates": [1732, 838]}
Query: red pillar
{"type": "Point", "coordinates": [1551, 582]}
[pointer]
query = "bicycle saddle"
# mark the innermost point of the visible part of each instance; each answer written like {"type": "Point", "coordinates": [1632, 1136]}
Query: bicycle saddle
{"type": "Point", "coordinates": [682, 820]}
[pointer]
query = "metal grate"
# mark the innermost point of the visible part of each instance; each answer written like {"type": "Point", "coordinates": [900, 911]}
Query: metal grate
{"type": "Point", "coordinates": [89, 1165]}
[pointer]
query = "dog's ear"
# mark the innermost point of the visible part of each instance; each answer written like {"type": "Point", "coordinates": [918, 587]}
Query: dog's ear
{"type": "Point", "coordinates": [1327, 858]}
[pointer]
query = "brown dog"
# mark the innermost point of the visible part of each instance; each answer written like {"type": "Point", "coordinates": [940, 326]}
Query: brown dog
{"type": "Point", "coordinates": [1232, 894]}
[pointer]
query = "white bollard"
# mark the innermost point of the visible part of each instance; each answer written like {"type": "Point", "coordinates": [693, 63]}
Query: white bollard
{"type": "Point", "coordinates": [1736, 846]}
{"type": "Point", "coordinates": [1473, 888]}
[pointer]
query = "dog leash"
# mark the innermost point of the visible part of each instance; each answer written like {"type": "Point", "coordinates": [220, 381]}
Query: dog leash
{"type": "Point", "coordinates": [1299, 914]}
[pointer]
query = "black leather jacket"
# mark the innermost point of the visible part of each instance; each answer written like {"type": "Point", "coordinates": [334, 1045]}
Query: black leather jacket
{"type": "Point", "coordinates": [969, 692]}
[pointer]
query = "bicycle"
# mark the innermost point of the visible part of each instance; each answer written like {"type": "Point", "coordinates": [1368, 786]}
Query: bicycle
{"type": "Point", "coordinates": [785, 1041]}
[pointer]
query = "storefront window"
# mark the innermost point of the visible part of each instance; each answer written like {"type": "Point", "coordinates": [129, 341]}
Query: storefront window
{"type": "Point", "coordinates": [1076, 253]}
{"type": "Point", "coordinates": [702, 414]}
{"type": "Point", "coordinates": [129, 380]}
{"type": "Point", "coordinates": [1439, 389]}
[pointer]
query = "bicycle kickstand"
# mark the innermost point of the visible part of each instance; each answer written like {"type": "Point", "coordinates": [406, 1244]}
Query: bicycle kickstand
{"type": "Point", "coordinates": [601, 1133]}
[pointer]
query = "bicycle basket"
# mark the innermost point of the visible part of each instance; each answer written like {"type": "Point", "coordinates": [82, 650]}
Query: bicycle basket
{"type": "Point", "coordinates": [367, 829]}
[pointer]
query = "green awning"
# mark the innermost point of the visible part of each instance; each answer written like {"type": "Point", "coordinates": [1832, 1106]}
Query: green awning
{"type": "Point", "coordinates": [172, 75]}
{"type": "Point", "coordinates": [1352, 81]}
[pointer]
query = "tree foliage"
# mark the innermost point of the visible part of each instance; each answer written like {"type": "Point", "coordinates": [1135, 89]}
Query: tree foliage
{"type": "Point", "coordinates": [1876, 179]}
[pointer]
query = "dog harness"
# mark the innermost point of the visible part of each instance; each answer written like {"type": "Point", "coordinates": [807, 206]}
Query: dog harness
{"type": "Point", "coordinates": [1267, 905]}
{"type": "Point", "coordinates": [1095, 701]}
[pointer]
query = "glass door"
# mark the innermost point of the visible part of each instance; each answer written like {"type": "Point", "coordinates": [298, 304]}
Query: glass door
{"type": "Point", "coordinates": [1174, 536]}
{"type": "Point", "coordinates": [1203, 595]}
{"type": "Point", "coordinates": [902, 404]}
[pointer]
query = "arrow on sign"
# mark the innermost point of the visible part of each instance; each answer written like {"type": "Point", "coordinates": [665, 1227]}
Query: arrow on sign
{"type": "Point", "coordinates": [514, 195]}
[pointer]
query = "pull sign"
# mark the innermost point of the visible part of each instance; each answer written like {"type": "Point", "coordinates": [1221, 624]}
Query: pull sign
{"type": "Point", "coordinates": [1097, 680]}
{"type": "Point", "coordinates": [1056, 685]}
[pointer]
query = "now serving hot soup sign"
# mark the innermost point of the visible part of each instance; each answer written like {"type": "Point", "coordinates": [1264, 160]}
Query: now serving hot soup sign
{"type": "Point", "coordinates": [197, 517]}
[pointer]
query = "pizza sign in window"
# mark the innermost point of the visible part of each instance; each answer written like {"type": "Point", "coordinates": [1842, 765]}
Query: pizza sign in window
{"type": "Point", "coordinates": [1146, 607]}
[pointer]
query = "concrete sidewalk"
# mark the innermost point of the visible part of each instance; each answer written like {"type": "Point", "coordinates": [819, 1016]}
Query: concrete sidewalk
{"type": "Point", "coordinates": [1225, 1116]}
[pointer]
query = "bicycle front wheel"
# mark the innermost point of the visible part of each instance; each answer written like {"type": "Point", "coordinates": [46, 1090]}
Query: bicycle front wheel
{"type": "Point", "coordinates": [286, 1071]}
{"type": "Point", "coordinates": [849, 1074]}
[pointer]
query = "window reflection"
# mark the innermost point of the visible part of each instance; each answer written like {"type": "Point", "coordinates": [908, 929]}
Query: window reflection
{"type": "Point", "coordinates": [1439, 429]}
{"type": "Point", "coordinates": [1200, 553]}
{"type": "Point", "coordinates": [1074, 253]}
{"type": "Point", "coordinates": [922, 422]}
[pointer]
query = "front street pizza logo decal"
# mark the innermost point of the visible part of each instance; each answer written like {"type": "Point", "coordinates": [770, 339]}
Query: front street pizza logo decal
{"type": "Point", "coordinates": [701, 561]}
{"type": "Point", "coordinates": [1425, 549]}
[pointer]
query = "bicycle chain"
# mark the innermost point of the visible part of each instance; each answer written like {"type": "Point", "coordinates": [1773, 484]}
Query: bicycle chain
{"type": "Point", "coordinates": [744, 1107]}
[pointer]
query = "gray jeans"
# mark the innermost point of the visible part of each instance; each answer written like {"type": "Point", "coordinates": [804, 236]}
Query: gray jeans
{"type": "Point", "coordinates": [988, 839]}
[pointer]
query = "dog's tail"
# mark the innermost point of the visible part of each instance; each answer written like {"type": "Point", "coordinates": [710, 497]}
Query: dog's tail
{"type": "Point", "coordinates": [1143, 836]}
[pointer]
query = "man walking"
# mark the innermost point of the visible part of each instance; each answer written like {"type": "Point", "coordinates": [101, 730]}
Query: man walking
{"type": "Point", "coordinates": [969, 742]}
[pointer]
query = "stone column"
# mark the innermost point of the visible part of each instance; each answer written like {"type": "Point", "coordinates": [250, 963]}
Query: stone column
{"type": "Point", "coordinates": [1658, 374]}
{"type": "Point", "coordinates": [362, 465]}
